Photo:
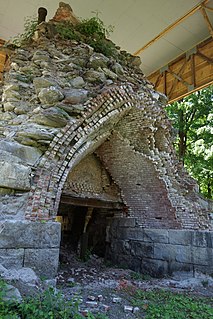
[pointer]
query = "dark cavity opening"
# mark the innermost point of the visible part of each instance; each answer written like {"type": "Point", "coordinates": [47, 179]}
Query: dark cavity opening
{"type": "Point", "coordinates": [42, 13]}
{"type": "Point", "coordinates": [84, 230]}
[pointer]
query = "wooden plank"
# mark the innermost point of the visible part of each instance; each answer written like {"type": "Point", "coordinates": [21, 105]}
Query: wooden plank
{"type": "Point", "coordinates": [187, 73]}
{"type": "Point", "coordinates": [90, 202]}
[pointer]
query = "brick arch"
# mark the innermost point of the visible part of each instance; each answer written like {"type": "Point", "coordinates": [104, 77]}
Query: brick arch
{"type": "Point", "coordinates": [71, 145]}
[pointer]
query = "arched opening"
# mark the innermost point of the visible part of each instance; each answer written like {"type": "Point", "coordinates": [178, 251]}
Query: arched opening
{"type": "Point", "coordinates": [89, 201]}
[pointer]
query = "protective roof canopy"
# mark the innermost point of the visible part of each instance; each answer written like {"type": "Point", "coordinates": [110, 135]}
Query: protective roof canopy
{"type": "Point", "coordinates": [136, 22]}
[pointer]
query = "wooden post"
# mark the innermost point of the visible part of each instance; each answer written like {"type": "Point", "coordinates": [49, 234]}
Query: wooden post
{"type": "Point", "coordinates": [84, 236]}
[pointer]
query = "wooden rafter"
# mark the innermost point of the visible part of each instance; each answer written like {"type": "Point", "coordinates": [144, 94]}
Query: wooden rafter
{"type": "Point", "coordinates": [206, 18]}
{"type": "Point", "coordinates": [172, 26]}
{"type": "Point", "coordinates": [203, 56]}
{"type": "Point", "coordinates": [176, 80]}
{"type": "Point", "coordinates": [208, 8]}
{"type": "Point", "coordinates": [189, 72]}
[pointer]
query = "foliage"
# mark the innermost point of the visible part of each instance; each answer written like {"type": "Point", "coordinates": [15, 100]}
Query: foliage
{"type": "Point", "coordinates": [30, 25]}
{"type": "Point", "coordinates": [91, 31]}
{"type": "Point", "coordinates": [193, 120]}
{"type": "Point", "coordinates": [167, 305]}
{"type": "Point", "coordinates": [67, 31]}
{"type": "Point", "coordinates": [91, 27]}
{"type": "Point", "coordinates": [48, 305]}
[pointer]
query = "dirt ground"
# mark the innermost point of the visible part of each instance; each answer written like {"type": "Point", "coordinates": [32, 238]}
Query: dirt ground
{"type": "Point", "coordinates": [103, 289]}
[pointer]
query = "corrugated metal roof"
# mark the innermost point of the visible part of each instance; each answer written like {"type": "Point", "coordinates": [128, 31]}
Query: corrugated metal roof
{"type": "Point", "coordinates": [135, 22]}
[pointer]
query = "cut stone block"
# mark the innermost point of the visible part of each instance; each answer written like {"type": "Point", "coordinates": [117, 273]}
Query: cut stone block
{"type": "Point", "coordinates": [12, 258]}
{"type": "Point", "coordinates": [43, 261]}
{"type": "Point", "coordinates": [156, 235]}
{"type": "Point", "coordinates": [25, 234]}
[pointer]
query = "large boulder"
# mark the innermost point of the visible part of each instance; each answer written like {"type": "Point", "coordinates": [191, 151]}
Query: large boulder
{"type": "Point", "coordinates": [27, 154]}
{"type": "Point", "coordinates": [24, 279]}
{"type": "Point", "coordinates": [13, 173]}
{"type": "Point", "coordinates": [50, 95]}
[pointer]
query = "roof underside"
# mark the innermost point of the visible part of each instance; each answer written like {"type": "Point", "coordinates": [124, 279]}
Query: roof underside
{"type": "Point", "coordinates": [135, 22]}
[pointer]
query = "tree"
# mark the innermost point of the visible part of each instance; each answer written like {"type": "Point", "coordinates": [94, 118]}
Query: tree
{"type": "Point", "coordinates": [192, 119]}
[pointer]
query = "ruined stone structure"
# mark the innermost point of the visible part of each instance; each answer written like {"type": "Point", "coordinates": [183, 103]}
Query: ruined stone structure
{"type": "Point", "coordinates": [81, 132]}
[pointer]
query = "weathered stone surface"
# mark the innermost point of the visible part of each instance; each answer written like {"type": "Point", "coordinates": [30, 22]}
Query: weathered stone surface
{"type": "Point", "coordinates": [26, 275]}
{"type": "Point", "coordinates": [65, 13]}
{"type": "Point", "coordinates": [202, 239]}
{"type": "Point", "coordinates": [169, 252]}
{"type": "Point", "coordinates": [40, 55]}
{"type": "Point", "coordinates": [24, 234]}
{"type": "Point", "coordinates": [180, 237]}
{"type": "Point", "coordinates": [72, 109]}
{"type": "Point", "coordinates": [156, 235]}
{"type": "Point", "coordinates": [7, 116]}
{"type": "Point", "coordinates": [12, 294]}
{"type": "Point", "coordinates": [23, 108]}
{"type": "Point", "coordinates": [110, 74]}
{"type": "Point", "coordinates": [77, 82]}
{"type": "Point", "coordinates": [127, 222]}
{"type": "Point", "coordinates": [94, 76]}
{"type": "Point", "coordinates": [41, 259]}
{"type": "Point", "coordinates": [141, 249]}
{"type": "Point", "coordinates": [53, 117]}
{"type": "Point", "coordinates": [42, 82]}
{"type": "Point", "coordinates": [27, 154]}
{"type": "Point", "coordinates": [98, 60]}
{"type": "Point", "coordinates": [10, 106]}
{"type": "Point", "coordinates": [36, 132]}
{"type": "Point", "coordinates": [75, 96]}
{"type": "Point", "coordinates": [14, 175]}
{"type": "Point", "coordinates": [130, 233]}
{"type": "Point", "coordinates": [118, 69]}
{"type": "Point", "coordinates": [11, 95]}
{"type": "Point", "coordinates": [202, 256]}
{"type": "Point", "coordinates": [12, 258]}
{"type": "Point", "coordinates": [12, 206]}
{"type": "Point", "coordinates": [174, 266]}
{"type": "Point", "coordinates": [50, 95]}
{"type": "Point", "coordinates": [154, 267]}
{"type": "Point", "coordinates": [135, 61]}
{"type": "Point", "coordinates": [24, 279]}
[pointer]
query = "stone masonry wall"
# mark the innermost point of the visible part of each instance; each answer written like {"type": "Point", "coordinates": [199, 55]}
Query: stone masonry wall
{"type": "Point", "coordinates": [159, 252]}
{"type": "Point", "coordinates": [62, 101]}
{"type": "Point", "coordinates": [34, 245]}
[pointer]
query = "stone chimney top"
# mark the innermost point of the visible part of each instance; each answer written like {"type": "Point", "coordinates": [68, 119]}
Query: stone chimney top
{"type": "Point", "coordinates": [65, 13]}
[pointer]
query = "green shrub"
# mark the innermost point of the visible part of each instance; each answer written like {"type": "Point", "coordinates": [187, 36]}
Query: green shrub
{"type": "Point", "coordinates": [66, 31]}
{"type": "Point", "coordinates": [47, 305]}
{"type": "Point", "coordinates": [92, 27]}
{"type": "Point", "coordinates": [30, 25]}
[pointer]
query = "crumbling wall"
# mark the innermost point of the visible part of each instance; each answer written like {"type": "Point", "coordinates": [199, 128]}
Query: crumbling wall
{"type": "Point", "coordinates": [90, 179]}
{"type": "Point", "coordinates": [61, 102]}
{"type": "Point", "coordinates": [156, 189]}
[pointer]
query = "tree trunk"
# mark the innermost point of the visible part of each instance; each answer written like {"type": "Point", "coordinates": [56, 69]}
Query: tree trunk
{"type": "Point", "coordinates": [182, 137]}
{"type": "Point", "coordinates": [209, 186]}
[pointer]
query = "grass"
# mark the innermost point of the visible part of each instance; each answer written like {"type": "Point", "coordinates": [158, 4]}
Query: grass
{"type": "Point", "coordinates": [46, 305]}
{"type": "Point", "coordinates": [161, 304]}
{"type": "Point", "coordinates": [139, 276]}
